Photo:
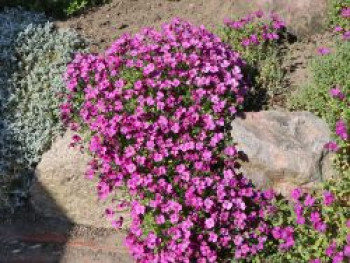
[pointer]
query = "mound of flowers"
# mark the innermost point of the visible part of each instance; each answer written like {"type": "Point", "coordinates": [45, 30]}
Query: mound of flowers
{"type": "Point", "coordinates": [154, 110]}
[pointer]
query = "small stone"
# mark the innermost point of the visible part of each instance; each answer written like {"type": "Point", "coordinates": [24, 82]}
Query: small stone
{"type": "Point", "coordinates": [35, 246]}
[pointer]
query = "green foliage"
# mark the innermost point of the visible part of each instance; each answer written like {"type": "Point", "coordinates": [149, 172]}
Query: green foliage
{"type": "Point", "coordinates": [327, 72]}
{"type": "Point", "coordinates": [310, 243]}
{"type": "Point", "coordinates": [42, 53]}
{"type": "Point", "coordinates": [264, 58]}
{"type": "Point", "coordinates": [56, 7]}
{"type": "Point", "coordinates": [335, 18]}
{"type": "Point", "coordinates": [12, 22]}
{"type": "Point", "coordinates": [34, 58]}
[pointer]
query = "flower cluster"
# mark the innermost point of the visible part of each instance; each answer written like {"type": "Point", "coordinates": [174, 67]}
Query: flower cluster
{"type": "Point", "coordinates": [264, 28]}
{"type": "Point", "coordinates": [156, 107]}
{"type": "Point", "coordinates": [312, 227]}
{"type": "Point", "coordinates": [258, 38]}
{"type": "Point", "coordinates": [342, 144]}
{"type": "Point", "coordinates": [311, 212]}
{"type": "Point", "coordinates": [344, 26]}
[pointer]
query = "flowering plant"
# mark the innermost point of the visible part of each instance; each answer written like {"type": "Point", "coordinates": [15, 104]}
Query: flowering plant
{"type": "Point", "coordinates": [340, 17]}
{"type": "Point", "coordinates": [319, 224]}
{"type": "Point", "coordinates": [341, 145]}
{"type": "Point", "coordinates": [155, 110]}
{"type": "Point", "coordinates": [257, 36]}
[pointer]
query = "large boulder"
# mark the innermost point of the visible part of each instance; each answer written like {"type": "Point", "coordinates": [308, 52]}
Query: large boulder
{"type": "Point", "coordinates": [303, 17]}
{"type": "Point", "coordinates": [61, 190]}
{"type": "Point", "coordinates": [284, 150]}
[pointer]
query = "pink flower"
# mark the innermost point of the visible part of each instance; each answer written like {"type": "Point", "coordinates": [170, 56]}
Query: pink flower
{"type": "Point", "coordinates": [296, 194]}
{"type": "Point", "coordinates": [138, 209]}
{"type": "Point", "coordinates": [149, 69]}
{"type": "Point", "coordinates": [315, 217]}
{"type": "Point", "coordinates": [246, 42]}
{"type": "Point", "coordinates": [347, 251]}
{"type": "Point", "coordinates": [346, 35]}
{"type": "Point", "coordinates": [337, 93]}
{"type": "Point", "coordinates": [341, 130]}
{"type": "Point", "coordinates": [331, 146]}
{"type": "Point", "coordinates": [209, 223]}
{"type": "Point", "coordinates": [300, 220]}
{"type": "Point", "coordinates": [331, 249]}
{"type": "Point", "coordinates": [328, 198]}
{"type": "Point", "coordinates": [345, 12]}
{"type": "Point", "coordinates": [118, 223]}
{"type": "Point", "coordinates": [131, 167]}
{"type": "Point", "coordinates": [338, 29]}
{"type": "Point", "coordinates": [309, 200]}
{"type": "Point", "coordinates": [230, 151]}
{"type": "Point", "coordinates": [324, 51]}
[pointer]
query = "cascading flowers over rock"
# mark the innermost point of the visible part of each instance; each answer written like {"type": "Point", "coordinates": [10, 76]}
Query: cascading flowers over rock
{"type": "Point", "coordinates": [154, 109]}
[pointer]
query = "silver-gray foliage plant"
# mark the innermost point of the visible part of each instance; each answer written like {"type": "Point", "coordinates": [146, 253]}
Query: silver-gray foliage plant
{"type": "Point", "coordinates": [33, 55]}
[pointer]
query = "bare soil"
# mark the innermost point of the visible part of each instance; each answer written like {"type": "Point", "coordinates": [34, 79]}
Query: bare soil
{"type": "Point", "coordinates": [104, 24]}
{"type": "Point", "coordinates": [30, 238]}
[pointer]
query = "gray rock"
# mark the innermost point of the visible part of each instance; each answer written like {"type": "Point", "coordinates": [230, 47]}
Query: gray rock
{"type": "Point", "coordinates": [284, 149]}
{"type": "Point", "coordinates": [60, 189]}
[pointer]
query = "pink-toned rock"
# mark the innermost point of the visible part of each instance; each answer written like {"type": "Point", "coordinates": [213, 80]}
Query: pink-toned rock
{"type": "Point", "coordinates": [60, 189]}
{"type": "Point", "coordinates": [284, 149]}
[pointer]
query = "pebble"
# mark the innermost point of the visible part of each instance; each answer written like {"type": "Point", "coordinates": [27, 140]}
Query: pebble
{"type": "Point", "coordinates": [35, 246]}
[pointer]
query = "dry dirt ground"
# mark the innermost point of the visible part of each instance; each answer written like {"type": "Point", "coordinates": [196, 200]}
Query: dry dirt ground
{"type": "Point", "coordinates": [27, 237]}
{"type": "Point", "coordinates": [104, 24]}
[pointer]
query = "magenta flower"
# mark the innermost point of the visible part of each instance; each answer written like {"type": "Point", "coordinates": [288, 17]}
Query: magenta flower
{"type": "Point", "coordinates": [296, 194]}
{"type": "Point", "coordinates": [347, 251]}
{"type": "Point", "coordinates": [338, 29]}
{"type": "Point", "coordinates": [345, 12]}
{"type": "Point", "coordinates": [230, 151]}
{"type": "Point", "coordinates": [331, 146]}
{"type": "Point", "coordinates": [246, 42]}
{"type": "Point", "coordinates": [315, 217]}
{"type": "Point", "coordinates": [338, 258]}
{"type": "Point", "coordinates": [118, 223]}
{"type": "Point", "coordinates": [341, 130]}
{"type": "Point", "coordinates": [209, 223]}
{"type": "Point", "coordinates": [331, 249]}
{"type": "Point", "coordinates": [269, 194]}
{"type": "Point", "coordinates": [328, 198]}
{"type": "Point", "coordinates": [346, 35]}
{"type": "Point", "coordinates": [320, 227]}
{"type": "Point", "coordinates": [323, 51]}
{"type": "Point", "coordinates": [309, 200]}
{"type": "Point", "coordinates": [300, 220]}
{"type": "Point", "coordinates": [337, 93]}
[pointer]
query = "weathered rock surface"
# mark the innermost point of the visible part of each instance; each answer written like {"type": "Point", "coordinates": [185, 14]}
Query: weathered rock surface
{"type": "Point", "coordinates": [60, 189]}
{"type": "Point", "coordinates": [302, 17]}
{"type": "Point", "coordinates": [284, 149]}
